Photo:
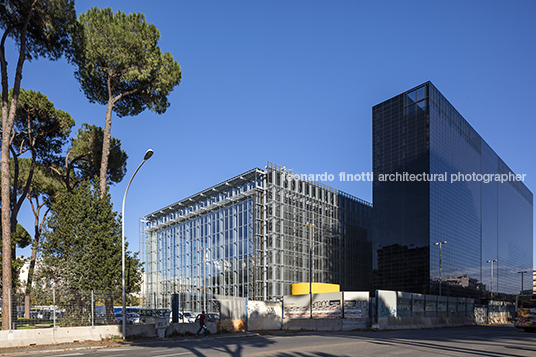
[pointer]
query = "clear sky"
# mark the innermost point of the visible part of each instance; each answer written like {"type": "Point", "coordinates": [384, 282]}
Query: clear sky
{"type": "Point", "coordinates": [294, 82]}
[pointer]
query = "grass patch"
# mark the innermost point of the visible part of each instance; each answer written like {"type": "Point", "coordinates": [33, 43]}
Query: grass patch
{"type": "Point", "coordinates": [114, 338]}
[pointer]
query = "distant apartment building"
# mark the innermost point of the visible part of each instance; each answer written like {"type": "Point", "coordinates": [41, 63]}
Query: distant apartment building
{"type": "Point", "coordinates": [253, 236]}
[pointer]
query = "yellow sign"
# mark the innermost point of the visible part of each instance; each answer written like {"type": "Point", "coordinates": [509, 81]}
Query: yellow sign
{"type": "Point", "coordinates": [303, 288]}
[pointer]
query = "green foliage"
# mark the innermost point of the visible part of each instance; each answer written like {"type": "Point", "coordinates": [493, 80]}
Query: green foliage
{"type": "Point", "coordinates": [86, 153]}
{"type": "Point", "coordinates": [39, 128]}
{"type": "Point", "coordinates": [119, 64]}
{"type": "Point", "coordinates": [114, 338]}
{"type": "Point", "coordinates": [20, 237]}
{"type": "Point", "coordinates": [82, 243]}
{"type": "Point", "coordinates": [49, 29]}
{"type": "Point", "coordinates": [81, 251]}
{"type": "Point", "coordinates": [117, 57]}
{"type": "Point", "coordinates": [81, 246]}
{"type": "Point", "coordinates": [43, 182]}
{"type": "Point", "coordinates": [39, 131]}
{"type": "Point", "coordinates": [39, 28]}
{"type": "Point", "coordinates": [16, 267]}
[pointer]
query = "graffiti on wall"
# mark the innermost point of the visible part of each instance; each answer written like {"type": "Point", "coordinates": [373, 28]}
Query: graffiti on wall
{"type": "Point", "coordinates": [356, 309]}
{"type": "Point", "coordinates": [386, 311]}
{"type": "Point", "coordinates": [295, 311]}
{"type": "Point", "coordinates": [270, 311]}
{"type": "Point", "coordinates": [327, 308]}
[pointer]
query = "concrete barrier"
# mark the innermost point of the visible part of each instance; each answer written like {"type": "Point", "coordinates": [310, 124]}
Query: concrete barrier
{"type": "Point", "coordinates": [143, 330]}
{"type": "Point", "coordinates": [173, 329]}
{"type": "Point", "coordinates": [48, 336]}
{"type": "Point", "coordinates": [264, 315]}
{"type": "Point", "coordinates": [419, 322]}
{"type": "Point", "coordinates": [326, 324]}
{"type": "Point", "coordinates": [185, 329]}
{"type": "Point", "coordinates": [231, 325]}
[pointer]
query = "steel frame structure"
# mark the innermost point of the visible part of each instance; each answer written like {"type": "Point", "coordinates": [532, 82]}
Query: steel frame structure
{"type": "Point", "coordinates": [252, 230]}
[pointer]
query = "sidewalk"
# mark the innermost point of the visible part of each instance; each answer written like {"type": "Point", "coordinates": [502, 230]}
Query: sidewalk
{"type": "Point", "coordinates": [36, 350]}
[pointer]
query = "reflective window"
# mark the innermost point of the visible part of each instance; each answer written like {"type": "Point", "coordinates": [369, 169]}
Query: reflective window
{"type": "Point", "coordinates": [420, 93]}
{"type": "Point", "coordinates": [479, 220]}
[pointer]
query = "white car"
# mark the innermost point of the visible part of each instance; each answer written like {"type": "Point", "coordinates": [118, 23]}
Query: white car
{"type": "Point", "coordinates": [188, 317]}
{"type": "Point", "coordinates": [131, 318]}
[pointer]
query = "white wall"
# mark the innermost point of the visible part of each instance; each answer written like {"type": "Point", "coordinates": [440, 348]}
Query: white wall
{"type": "Point", "coordinates": [48, 336]}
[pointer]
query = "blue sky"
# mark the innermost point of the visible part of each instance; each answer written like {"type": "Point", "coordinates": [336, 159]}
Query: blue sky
{"type": "Point", "coordinates": [294, 82]}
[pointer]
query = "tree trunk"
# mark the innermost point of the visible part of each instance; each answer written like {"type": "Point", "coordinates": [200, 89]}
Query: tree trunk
{"type": "Point", "coordinates": [106, 146]}
{"type": "Point", "coordinates": [6, 179]}
{"type": "Point", "coordinates": [7, 277]}
{"type": "Point", "coordinates": [6, 229]}
{"type": "Point", "coordinates": [7, 126]}
{"type": "Point", "coordinates": [29, 282]}
{"type": "Point", "coordinates": [109, 306]}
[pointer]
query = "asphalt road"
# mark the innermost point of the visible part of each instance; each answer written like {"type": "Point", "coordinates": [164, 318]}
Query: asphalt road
{"type": "Point", "coordinates": [496, 340]}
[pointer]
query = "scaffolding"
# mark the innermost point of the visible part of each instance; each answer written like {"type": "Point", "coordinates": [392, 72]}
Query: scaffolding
{"type": "Point", "coordinates": [315, 234]}
{"type": "Point", "coordinates": [250, 236]}
{"type": "Point", "coordinates": [204, 245]}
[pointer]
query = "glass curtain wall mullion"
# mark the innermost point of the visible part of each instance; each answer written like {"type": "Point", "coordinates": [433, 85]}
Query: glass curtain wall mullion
{"type": "Point", "coordinates": [257, 238]}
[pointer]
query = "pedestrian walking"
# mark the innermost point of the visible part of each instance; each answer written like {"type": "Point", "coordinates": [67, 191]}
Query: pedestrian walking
{"type": "Point", "coordinates": [202, 325]}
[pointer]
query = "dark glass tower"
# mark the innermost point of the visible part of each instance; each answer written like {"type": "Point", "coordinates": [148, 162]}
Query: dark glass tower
{"type": "Point", "coordinates": [454, 196]}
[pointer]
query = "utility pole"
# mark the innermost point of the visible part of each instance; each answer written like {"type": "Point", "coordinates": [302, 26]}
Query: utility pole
{"type": "Point", "coordinates": [440, 244]}
{"type": "Point", "coordinates": [310, 268]}
{"type": "Point", "coordinates": [522, 272]}
{"type": "Point", "coordinates": [204, 279]}
{"type": "Point", "coordinates": [491, 290]}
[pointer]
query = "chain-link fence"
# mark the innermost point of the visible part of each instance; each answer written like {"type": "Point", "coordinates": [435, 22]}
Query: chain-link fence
{"type": "Point", "coordinates": [192, 304]}
{"type": "Point", "coordinates": [50, 308]}
{"type": "Point", "coordinates": [69, 308]}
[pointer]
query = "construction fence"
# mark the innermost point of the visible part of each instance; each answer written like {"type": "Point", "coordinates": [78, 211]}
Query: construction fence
{"type": "Point", "coordinates": [66, 308]}
{"type": "Point", "coordinates": [74, 308]}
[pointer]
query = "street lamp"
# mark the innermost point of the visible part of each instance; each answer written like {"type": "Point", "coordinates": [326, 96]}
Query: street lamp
{"type": "Point", "coordinates": [146, 157]}
{"type": "Point", "coordinates": [204, 279]}
{"type": "Point", "coordinates": [491, 261]}
{"type": "Point", "coordinates": [440, 244]}
{"type": "Point", "coordinates": [310, 267]}
{"type": "Point", "coordinates": [522, 272]}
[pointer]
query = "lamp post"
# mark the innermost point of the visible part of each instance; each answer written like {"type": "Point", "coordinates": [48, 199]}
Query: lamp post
{"type": "Point", "coordinates": [522, 272]}
{"type": "Point", "coordinates": [440, 244]}
{"type": "Point", "coordinates": [146, 157]}
{"type": "Point", "coordinates": [491, 261]}
{"type": "Point", "coordinates": [204, 279]}
{"type": "Point", "coordinates": [310, 268]}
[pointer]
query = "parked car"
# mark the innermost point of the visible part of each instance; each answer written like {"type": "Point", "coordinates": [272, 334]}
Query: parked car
{"type": "Point", "coordinates": [43, 315]}
{"type": "Point", "coordinates": [148, 316]}
{"type": "Point", "coordinates": [188, 317]}
{"type": "Point", "coordinates": [131, 318]}
{"type": "Point", "coordinates": [180, 317]}
{"type": "Point", "coordinates": [208, 317]}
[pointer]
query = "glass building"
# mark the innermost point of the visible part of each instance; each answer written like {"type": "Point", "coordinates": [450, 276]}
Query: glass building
{"type": "Point", "coordinates": [250, 236]}
{"type": "Point", "coordinates": [435, 181]}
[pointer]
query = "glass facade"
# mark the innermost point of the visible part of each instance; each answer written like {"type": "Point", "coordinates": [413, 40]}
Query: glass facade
{"type": "Point", "coordinates": [205, 242]}
{"type": "Point", "coordinates": [456, 196]}
{"type": "Point", "coordinates": [253, 236]}
{"type": "Point", "coordinates": [305, 215]}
